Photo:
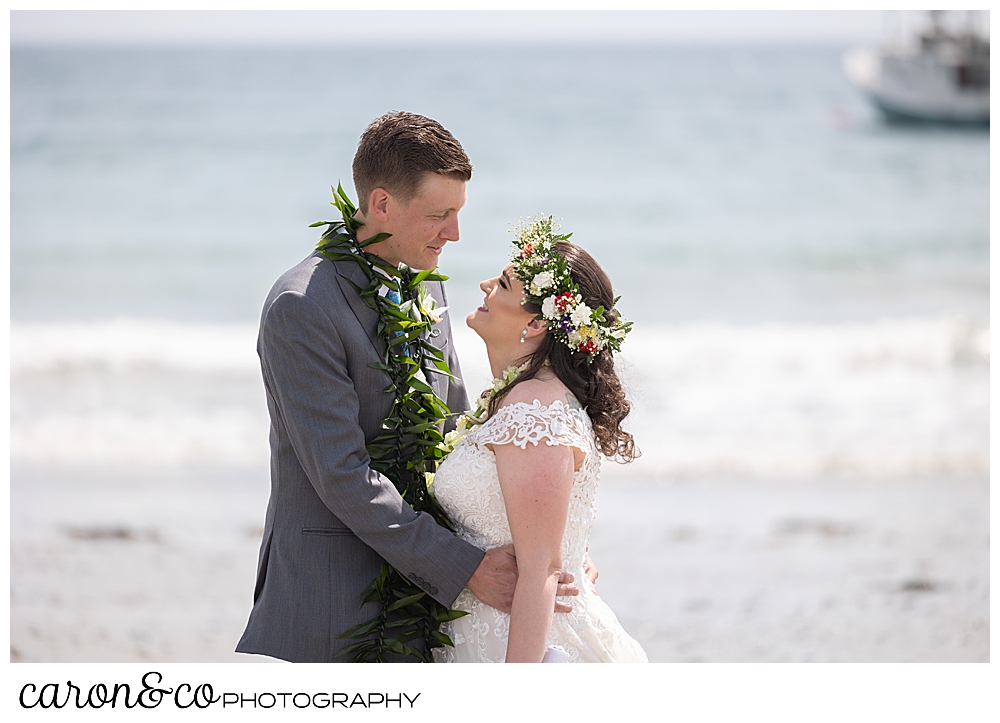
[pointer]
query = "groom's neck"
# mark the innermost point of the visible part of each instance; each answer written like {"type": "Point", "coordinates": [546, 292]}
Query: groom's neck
{"type": "Point", "coordinates": [370, 229]}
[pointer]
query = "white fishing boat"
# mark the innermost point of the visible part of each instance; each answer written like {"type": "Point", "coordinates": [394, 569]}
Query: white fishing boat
{"type": "Point", "coordinates": [938, 74]}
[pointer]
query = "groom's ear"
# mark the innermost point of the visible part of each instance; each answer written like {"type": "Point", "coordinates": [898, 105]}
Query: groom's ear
{"type": "Point", "coordinates": [378, 204]}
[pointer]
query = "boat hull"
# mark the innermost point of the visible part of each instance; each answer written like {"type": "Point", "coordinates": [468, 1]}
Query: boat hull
{"type": "Point", "coordinates": [915, 88]}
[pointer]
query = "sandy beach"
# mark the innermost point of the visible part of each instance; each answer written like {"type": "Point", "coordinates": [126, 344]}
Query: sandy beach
{"type": "Point", "coordinates": [109, 566]}
{"type": "Point", "coordinates": [799, 571]}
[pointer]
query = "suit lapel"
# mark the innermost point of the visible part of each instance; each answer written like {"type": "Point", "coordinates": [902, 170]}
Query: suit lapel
{"type": "Point", "coordinates": [439, 338]}
{"type": "Point", "coordinates": [348, 271]}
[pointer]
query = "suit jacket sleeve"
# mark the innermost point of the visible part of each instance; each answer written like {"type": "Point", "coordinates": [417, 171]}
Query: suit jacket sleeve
{"type": "Point", "coordinates": [305, 368]}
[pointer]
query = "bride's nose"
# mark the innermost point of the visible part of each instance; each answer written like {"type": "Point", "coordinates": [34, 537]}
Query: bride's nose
{"type": "Point", "coordinates": [487, 285]}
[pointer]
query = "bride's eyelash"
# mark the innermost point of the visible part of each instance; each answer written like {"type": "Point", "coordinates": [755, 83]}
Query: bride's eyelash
{"type": "Point", "coordinates": [502, 284]}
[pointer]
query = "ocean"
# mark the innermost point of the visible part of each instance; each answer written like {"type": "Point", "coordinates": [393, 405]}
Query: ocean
{"type": "Point", "coordinates": [809, 284]}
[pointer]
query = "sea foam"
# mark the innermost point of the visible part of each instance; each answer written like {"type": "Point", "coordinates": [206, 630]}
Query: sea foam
{"type": "Point", "coordinates": [122, 344]}
{"type": "Point", "coordinates": [892, 398]}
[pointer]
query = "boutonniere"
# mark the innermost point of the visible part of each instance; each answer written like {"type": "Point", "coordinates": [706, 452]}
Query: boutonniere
{"type": "Point", "coordinates": [429, 306]}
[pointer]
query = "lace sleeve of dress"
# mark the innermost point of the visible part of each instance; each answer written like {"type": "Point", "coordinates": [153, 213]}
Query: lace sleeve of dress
{"type": "Point", "coordinates": [520, 423]}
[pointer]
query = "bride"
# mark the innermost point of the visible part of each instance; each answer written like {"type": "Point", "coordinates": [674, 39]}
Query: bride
{"type": "Point", "coordinates": [525, 464]}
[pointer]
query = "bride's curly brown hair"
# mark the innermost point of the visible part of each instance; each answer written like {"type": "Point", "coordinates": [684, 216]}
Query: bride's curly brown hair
{"type": "Point", "coordinates": [595, 383]}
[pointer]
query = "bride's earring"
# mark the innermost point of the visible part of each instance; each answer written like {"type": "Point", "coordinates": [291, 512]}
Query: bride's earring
{"type": "Point", "coordinates": [524, 333]}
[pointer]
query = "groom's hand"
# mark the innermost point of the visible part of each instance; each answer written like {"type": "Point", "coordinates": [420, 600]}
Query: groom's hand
{"type": "Point", "coordinates": [494, 581]}
{"type": "Point", "coordinates": [565, 588]}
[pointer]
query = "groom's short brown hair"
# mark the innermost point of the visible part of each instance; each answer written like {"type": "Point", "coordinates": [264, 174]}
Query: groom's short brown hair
{"type": "Point", "coordinates": [398, 148]}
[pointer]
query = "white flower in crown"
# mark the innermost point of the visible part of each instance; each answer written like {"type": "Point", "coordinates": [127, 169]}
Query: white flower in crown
{"type": "Point", "coordinates": [617, 333]}
{"type": "Point", "coordinates": [549, 308]}
{"type": "Point", "coordinates": [541, 282]}
{"type": "Point", "coordinates": [580, 315]}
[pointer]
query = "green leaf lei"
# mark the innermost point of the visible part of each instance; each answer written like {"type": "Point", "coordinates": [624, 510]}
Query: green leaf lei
{"type": "Point", "coordinates": [409, 449]}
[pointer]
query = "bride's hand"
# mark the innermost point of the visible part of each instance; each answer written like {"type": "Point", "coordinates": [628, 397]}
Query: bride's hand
{"type": "Point", "coordinates": [494, 581]}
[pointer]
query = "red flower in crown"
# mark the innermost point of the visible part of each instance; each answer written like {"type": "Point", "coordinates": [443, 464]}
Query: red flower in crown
{"type": "Point", "coordinates": [563, 302]}
{"type": "Point", "coordinates": [589, 346]}
{"type": "Point", "coordinates": [526, 251]}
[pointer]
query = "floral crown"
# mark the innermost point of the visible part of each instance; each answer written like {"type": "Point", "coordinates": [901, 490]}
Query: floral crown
{"type": "Point", "coordinates": [548, 284]}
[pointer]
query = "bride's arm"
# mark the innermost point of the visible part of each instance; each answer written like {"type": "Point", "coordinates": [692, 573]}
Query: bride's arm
{"type": "Point", "coordinates": [536, 484]}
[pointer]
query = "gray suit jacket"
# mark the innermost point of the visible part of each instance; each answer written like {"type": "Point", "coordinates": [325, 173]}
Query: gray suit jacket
{"type": "Point", "coordinates": [331, 521]}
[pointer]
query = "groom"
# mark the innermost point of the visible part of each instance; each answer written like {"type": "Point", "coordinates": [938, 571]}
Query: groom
{"type": "Point", "coordinates": [331, 521]}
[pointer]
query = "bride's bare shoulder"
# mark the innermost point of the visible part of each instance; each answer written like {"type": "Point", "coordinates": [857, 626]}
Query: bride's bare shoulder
{"type": "Point", "coordinates": [543, 390]}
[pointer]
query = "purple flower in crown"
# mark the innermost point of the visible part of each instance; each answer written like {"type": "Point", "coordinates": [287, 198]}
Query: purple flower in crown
{"type": "Point", "coordinates": [566, 324]}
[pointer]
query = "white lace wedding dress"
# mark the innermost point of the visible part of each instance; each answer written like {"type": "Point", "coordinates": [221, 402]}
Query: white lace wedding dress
{"type": "Point", "coordinates": [467, 487]}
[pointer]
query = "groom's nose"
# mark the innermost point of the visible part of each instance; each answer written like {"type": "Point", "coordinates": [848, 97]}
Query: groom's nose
{"type": "Point", "coordinates": [450, 232]}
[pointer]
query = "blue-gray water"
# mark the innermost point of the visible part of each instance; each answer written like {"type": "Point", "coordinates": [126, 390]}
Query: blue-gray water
{"type": "Point", "coordinates": [810, 284]}
{"type": "Point", "coordinates": [730, 184]}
